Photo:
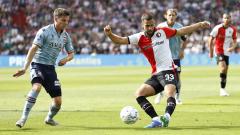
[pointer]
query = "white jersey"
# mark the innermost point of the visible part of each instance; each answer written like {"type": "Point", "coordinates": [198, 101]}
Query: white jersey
{"type": "Point", "coordinates": [156, 49]}
{"type": "Point", "coordinates": [223, 38]}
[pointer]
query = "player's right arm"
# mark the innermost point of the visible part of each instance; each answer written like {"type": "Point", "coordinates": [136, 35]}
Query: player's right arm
{"type": "Point", "coordinates": [115, 38]}
{"type": "Point", "coordinates": [210, 45]}
{"type": "Point", "coordinates": [28, 60]}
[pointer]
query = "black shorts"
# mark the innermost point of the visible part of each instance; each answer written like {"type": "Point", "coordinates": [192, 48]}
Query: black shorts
{"type": "Point", "coordinates": [47, 76]}
{"type": "Point", "coordinates": [221, 57]}
{"type": "Point", "coordinates": [163, 78]}
{"type": "Point", "coordinates": [178, 63]}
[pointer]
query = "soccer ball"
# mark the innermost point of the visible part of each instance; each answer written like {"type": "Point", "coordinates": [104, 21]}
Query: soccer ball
{"type": "Point", "coordinates": [129, 115]}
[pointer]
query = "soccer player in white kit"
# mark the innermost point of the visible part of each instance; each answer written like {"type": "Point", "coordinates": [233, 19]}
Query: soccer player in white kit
{"type": "Point", "coordinates": [42, 56]}
{"type": "Point", "coordinates": [177, 45]}
{"type": "Point", "coordinates": [154, 44]}
{"type": "Point", "coordinates": [225, 36]}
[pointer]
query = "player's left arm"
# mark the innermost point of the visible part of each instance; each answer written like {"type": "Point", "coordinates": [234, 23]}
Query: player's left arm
{"type": "Point", "coordinates": [189, 29]}
{"type": "Point", "coordinates": [183, 46]}
{"type": "Point", "coordinates": [70, 50]}
{"type": "Point", "coordinates": [234, 43]}
{"type": "Point", "coordinates": [66, 59]}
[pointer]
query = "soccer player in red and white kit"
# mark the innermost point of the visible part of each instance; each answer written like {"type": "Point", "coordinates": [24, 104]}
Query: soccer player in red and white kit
{"type": "Point", "coordinates": [154, 44]}
{"type": "Point", "coordinates": [225, 36]}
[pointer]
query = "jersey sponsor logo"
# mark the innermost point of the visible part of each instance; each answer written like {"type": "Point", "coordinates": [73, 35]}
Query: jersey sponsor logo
{"type": "Point", "coordinates": [56, 45]}
{"type": "Point", "coordinates": [229, 36]}
{"type": "Point", "coordinates": [153, 45]}
{"type": "Point", "coordinates": [158, 43]}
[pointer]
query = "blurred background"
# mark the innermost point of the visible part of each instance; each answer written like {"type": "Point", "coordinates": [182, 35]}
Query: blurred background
{"type": "Point", "coordinates": [20, 20]}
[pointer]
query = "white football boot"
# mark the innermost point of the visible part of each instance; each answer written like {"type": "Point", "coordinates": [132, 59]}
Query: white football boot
{"type": "Point", "coordinates": [223, 92]}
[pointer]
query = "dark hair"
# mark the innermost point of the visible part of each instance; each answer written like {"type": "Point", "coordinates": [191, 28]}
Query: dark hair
{"type": "Point", "coordinates": [61, 12]}
{"type": "Point", "coordinates": [147, 16]}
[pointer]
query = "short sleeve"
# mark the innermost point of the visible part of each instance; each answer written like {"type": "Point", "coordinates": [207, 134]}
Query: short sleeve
{"type": "Point", "coordinates": [39, 38]}
{"type": "Point", "coordinates": [169, 32]}
{"type": "Point", "coordinates": [214, 32]}
{"type": "Point", "coordinates": [161, 25]}
{"type": "Point", "coordinates": [134, 39]}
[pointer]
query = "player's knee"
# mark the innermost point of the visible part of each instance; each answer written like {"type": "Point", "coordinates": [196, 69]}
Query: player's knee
{"type": "Point", "coordinates": [223, 70]}
{"type": "Point", "coordinates": [58, 104]}
{"type": "Point", "coordinates": [170, 90]}
{"type": "Point", "coordinates": [139, 93]}
{"type": "Point", "coordinates": [36, 87]}
{"type": "Point", "coordinates": [57, 101]}
{"type": "Point", "coordinates": [145, 91]}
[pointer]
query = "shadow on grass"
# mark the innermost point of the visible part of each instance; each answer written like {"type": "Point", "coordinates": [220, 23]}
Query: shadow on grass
{"type": "Point", "coordinates": [20, 130]}
{"type": "Point", "coordinates": [141, 128]}
{"type": "Point", "coordinates": [202, 127]}
{"type": "Point", "coordinates": [214, 104]}
{"type": "Point", "coordinates": [89, 128]}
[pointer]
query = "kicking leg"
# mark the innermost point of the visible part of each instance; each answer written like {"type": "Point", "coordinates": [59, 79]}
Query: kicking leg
{"type": "Point", "coordinates": [144, 91]}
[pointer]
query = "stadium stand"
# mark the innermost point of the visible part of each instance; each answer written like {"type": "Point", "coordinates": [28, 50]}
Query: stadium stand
{"type": "Point", "coordinates": [20, 20]}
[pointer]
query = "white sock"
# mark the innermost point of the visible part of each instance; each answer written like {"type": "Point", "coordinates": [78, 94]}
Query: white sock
{"type": "Point", "coordinates": [53, 110]}
{"type": "Point", "coordinates": [167, 115]}
{"type": "Point", "coordinates": [156, 118]}
{"type": "Point", "coordinates": [31, 99]}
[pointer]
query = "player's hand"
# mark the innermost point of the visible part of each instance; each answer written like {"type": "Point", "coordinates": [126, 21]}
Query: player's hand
{"type": "Point", "coordinates": [205, 24]}
{"type": "Point", "coordinates": [107, 30]}
{"type": "Point", "coordinates": [62, 62]}
{"type": "Point", "coordinates": [19, 73]}
{"type": "Point", "coordinates": [230, 49]}
{"type": "Point", "coordinates": [181, 54]}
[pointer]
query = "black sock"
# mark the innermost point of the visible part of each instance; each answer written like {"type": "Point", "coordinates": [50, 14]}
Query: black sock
{"type": "Point", "coordinates": [223, 81]}
{"type": "Point", "coordinates": [146, 106]}
{"type": "Point", "coordinates": [171, 104]}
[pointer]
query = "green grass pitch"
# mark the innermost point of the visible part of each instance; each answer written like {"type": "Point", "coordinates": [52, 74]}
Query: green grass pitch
{"type": "Point", "coordinates": [93, 98]}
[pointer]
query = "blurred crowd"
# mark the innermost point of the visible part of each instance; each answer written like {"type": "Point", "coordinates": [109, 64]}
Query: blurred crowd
{"type": "Point", "coordinates": [20, 20]}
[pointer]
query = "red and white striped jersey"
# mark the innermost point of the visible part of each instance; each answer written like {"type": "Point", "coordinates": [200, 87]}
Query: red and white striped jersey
{"type": "Point", "coordinates": [223, 38]}
{"type": "Point", "coordinates": [156, 49]}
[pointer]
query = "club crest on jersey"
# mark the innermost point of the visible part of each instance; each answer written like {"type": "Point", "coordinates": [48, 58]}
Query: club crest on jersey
{"type": "Point", "coordinates": [158, 34]}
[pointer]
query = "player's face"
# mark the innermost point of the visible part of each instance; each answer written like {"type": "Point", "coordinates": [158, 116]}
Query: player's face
{"type": "Point", "coordinates": [148, 26]}
{"type": "Point", "coordinates": [171, 17]}
{"type": "Point", "coordinates": [226, 20]}
{"type": "Point", "coordinates": [62, 22]}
